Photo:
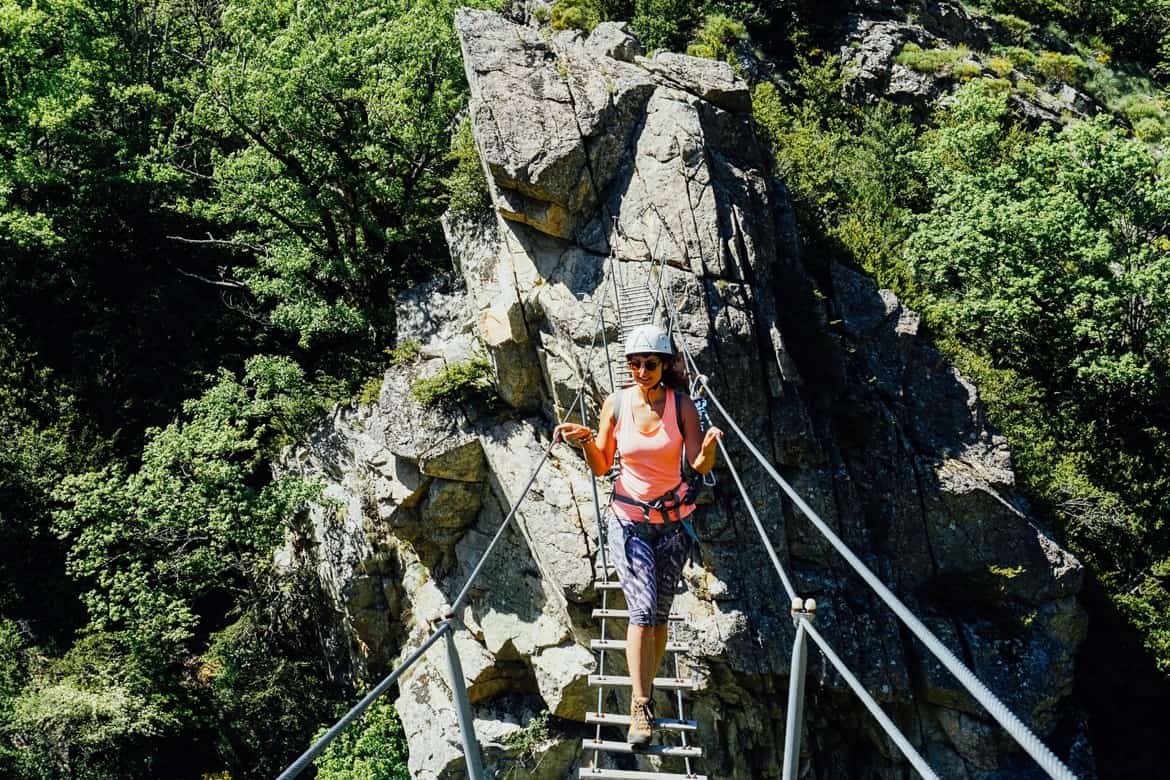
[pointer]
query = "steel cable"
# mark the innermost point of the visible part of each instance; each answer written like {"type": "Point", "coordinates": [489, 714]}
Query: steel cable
{"type": "Point", "coordinates": [890, 727]}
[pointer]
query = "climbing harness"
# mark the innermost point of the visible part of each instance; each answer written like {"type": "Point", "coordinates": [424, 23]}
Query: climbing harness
{"type": "Point", "coordinates": [669, 502]}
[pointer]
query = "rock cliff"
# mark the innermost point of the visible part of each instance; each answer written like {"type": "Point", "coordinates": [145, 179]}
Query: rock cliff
{"type": "Point", "coordinates": [596, 155]}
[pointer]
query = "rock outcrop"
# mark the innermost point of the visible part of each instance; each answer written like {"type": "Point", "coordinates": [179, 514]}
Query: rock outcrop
{"type": "Point", "coordinates": [874, 37]}
{"type": "Point", "coordinates": [601, 162]}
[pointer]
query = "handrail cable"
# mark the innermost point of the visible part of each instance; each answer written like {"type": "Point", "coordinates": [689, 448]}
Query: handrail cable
{"type": "Point", "coordinates": [1012, 724]}
{"type": "Point", "coordinates": [801, 618]}
{"type": "Point", "coordinates": [997, 709]}
{"type": "Point", "coordinates": [759, 525]}
{"type": "Point", "coordinates": [303, 761]}
{"type": "Point", "coordinates": [458, 602]}
{"type": "Point", "coordinates": [784, 578]}
{"type": "Point", "coordinates": [912, 755]}
{"type": "Point", "coordinates": [580, 397]}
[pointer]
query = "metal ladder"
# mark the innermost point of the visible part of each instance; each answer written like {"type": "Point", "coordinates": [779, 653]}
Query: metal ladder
{"type": "Point", "coordinates": [679, 725]}
{"type": "Point", "coordinates": [636, 305]}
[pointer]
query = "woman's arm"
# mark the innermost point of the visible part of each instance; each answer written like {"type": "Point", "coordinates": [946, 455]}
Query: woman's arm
{"type": "Point", "coordinates": [704, 445]}
{"type": "Point", "coordinates": [598, 451]}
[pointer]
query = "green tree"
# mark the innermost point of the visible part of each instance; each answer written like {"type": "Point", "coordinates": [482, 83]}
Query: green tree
{"type": "Point", "coordinates": [200, 514]}
{"type": "Point", "coordinates": [89, 272]}
{"type": "Point", "coordinates": [1043, 260]}
{"type": "Point", "coordinates": [91, 714]}
{"type": "Point", "coordinates": [321, 130]}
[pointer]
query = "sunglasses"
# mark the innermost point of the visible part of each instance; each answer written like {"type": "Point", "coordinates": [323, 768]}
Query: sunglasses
{"type": "Point", "coordinates": [650, 364]}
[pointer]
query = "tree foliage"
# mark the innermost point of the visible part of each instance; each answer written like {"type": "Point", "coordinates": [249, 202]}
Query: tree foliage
{"type": "Point", "coordinates": [372, 749]}
{"type": "Point", "coordinates": [1040, 262]}
{"type": "Point", "coordinates": [200, 513]}
{"type": "Point", "coordinates": [1048, 254]}
{"type": "Point", "coordinates": [206, 210]}
{"type": "Point", "coordinates": [321, 129]}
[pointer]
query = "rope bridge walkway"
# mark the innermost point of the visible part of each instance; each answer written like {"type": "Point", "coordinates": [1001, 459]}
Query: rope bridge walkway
{"type": "Point", "coordinates": [636, 304]}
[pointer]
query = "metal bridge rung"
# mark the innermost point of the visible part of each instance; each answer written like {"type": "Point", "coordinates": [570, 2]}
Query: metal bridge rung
{"type": "Point", "coordinates": [612, 719]}
{"type": "Point", "coordinates": [620, 644]}
{"type": "Point", "coordinates": [633, 774]}
{"type": "Point", "coordinates": [623, 681]}
{"type": "Point", "coordinates": [677, 751]}
{"type": "Point", "coordinates": [625, 613]}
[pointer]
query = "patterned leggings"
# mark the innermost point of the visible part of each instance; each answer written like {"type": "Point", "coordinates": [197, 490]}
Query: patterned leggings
{"type": "Point", "coordinates": [649, 562]}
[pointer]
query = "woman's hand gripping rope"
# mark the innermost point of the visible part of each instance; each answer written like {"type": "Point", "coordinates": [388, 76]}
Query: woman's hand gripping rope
{"type": "Point", "coordinates": [574, 434]}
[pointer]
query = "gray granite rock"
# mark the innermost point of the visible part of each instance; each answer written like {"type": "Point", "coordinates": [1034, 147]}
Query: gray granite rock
{"type": "Point", "coordinates": [711, 80]}
{"type": "Point", "coordinates": [614, 40]}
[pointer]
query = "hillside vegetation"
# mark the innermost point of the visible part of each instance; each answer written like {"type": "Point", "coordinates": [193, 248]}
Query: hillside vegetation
{"type": "Point", "coordinates": [206, 211]}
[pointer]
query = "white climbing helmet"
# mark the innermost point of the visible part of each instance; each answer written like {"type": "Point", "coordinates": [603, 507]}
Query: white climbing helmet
{"type": "Point", "coordinates": [649, 338]}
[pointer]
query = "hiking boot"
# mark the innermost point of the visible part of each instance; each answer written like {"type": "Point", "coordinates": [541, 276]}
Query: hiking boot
{"type": "Point", "coordinates": [641, 721]}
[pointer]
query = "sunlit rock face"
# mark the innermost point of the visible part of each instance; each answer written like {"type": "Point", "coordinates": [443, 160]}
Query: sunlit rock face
{"type": "Point", "coordinates": [602, 162]}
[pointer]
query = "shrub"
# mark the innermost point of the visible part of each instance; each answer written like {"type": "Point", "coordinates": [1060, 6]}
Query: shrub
{"type": "Point", "coordinates": [1118, 87]}
{"type": "Point", "coordinates": [939, 62]}
{"type": "Point", "coordinates": [664, 24]}
{"type": "Point", "coordinates": [1018, 29]}
{"type": "Point", "coordinates": [1150, 129]}
{"type": "Point", "coordinates": [1000, 66]}
{"type": "Point", "coordinates": [467, 188]}
{"type": "Point", "coordinates": [717, 37]}
{"type": "Point", "coordinates": [267, 683]}
{"type": "Point", "coordinates": [456, 382]}
{"type": "Point", "coordinates": [581, 15]}
{"type": "Point", "coordinates": [1020, 58]}
{"type": "Point", "coordinates": [966, 70]}
{"type": "Point", "coordinates": [1139, 107]}
{"type": "Point", "coordinates": [405, 352]}
{"type": "Point", "coordinates": [1068, 68]}
{"type": "Point", "coordinates": [1032, 8]}
{"type": "Point", "coordinates": [372, 749]}
{"type": "Point", "coordinates": [534, 737]}
{"type": "Point", "coordinates": [89, 715]}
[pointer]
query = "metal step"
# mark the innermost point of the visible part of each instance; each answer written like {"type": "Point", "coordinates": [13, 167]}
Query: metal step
{"type": "Point", "coordinates": [623, 681]}
{"type": "Point", "coordinates": [625, 614]}
{"type": "Point", "coordinates": [611, 585]}
{"type": "Point", "coordinates": [620, 644]}
{"type": "Point", "coordinates": [676, 751]}
{"type": "Point", "coordinates": [633, 774]}
{"type": "Point", "coordinates": [669, 724]}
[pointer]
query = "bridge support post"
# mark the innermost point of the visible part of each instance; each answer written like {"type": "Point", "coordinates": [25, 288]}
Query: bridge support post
{"type": "Point", "coordinates": [795, 718]}
{"type": "Point", "coordinates": [462, 706]}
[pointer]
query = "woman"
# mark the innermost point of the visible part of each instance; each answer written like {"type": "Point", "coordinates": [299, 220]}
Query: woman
{"type": "Point", "coordinates": [647, 541]}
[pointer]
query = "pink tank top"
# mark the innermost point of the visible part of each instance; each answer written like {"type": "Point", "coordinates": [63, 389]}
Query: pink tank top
{"type": "Point", "coordinates": [650, 461]}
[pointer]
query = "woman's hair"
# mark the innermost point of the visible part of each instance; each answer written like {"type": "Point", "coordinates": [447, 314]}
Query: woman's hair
{"type": "Point", "coordinates": [674, 369]}
{"type": "Point", "coordinates": [674, 373]}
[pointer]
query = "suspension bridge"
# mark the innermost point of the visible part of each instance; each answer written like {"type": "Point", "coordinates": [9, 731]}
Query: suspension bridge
{"type": "Point", "coordinates": [635, 304]}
